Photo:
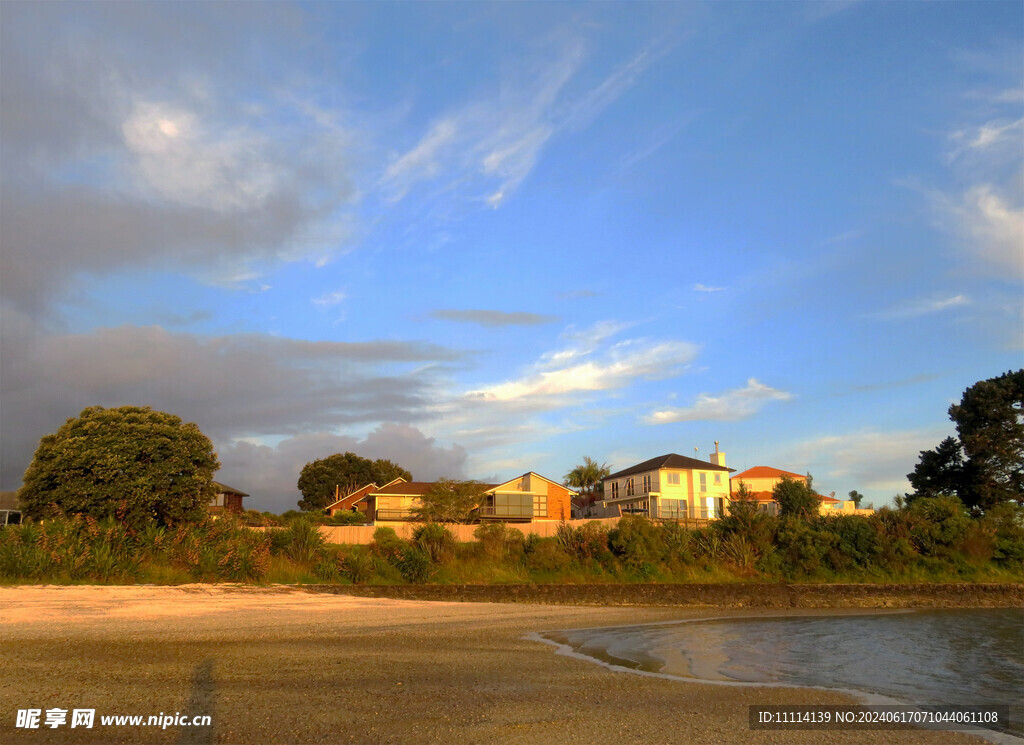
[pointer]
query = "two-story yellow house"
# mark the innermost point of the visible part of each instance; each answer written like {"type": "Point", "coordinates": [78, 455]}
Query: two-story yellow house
{"type": "Point", "coordinates": [671, 487]}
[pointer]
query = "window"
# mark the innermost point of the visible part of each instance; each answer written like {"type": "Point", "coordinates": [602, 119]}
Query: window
{"type": "Point", "coordinates": [718, 478]}
{"type": "Point", "coordinates": [703, 482]}
{"type": "Point", "coordinates": [673, 509]}
{"type": "Point", "coordinates": [647, 483]}
{"type": "Point", "coordinates": [673, 478]}
{"type": "Point", "coordinates": [540, 505]}
{"type": "Point", "coordinates": [514, 505]}
{"type": "Point", "coordinates": [629, 487]}
{"type": "Point", "coordinates": [615, 490]}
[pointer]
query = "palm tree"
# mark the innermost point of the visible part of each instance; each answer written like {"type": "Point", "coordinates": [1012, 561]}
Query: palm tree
{"type": "Point", "coordinates": [587, 479]}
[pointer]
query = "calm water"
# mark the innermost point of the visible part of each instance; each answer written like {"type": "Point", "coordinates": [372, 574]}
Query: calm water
{"type": "Point", "coordinates": [963, 657]}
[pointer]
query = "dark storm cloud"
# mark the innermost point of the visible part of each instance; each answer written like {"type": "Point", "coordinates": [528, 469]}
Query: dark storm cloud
{"type": "Point", "coordinates": [270, 474]}
{"type": "Point", "coordinates": [139, 134]}
{"type": "Point", "coordinates": [231, 386]}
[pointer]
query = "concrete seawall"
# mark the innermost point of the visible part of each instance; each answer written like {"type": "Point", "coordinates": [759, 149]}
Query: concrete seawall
{"type": "Point", "coordinates": [779, 595]}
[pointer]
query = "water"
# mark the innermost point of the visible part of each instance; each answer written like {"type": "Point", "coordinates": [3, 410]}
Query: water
{"type": "Point", "coordinates": [924, 658]}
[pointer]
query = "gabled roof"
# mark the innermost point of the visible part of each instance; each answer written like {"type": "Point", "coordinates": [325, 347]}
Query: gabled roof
{"type": "Point", "coordinates": [225, 489]}
{"type": "Point", "coordinates": [669, 461]}
{"type": "Point", "coordinates": [352, 497]}
{"type": "Point", "coordinates": [495, 487]}
{"type": "Point", "coordinates": [767, 472]}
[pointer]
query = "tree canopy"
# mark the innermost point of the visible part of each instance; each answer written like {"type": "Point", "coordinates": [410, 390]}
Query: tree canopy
{"type": "Point", "coordinates": [348, 472]}
{"type": "Point", "coordinates": [796, 498]}
{"type": "Point", "coordinates": [131, 462]}
{"type": "Point", "coordinates": [449, 501]}
{"type": "Point", "coordinates": [587, 478]}
{"type": "Point", "coordinates": [984, 466]}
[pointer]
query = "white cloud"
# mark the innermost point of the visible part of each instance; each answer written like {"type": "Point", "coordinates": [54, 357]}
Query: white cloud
{"type": "Point", "coordinates": [624, 363]}
{"type": "Point", "coordinates": [870, 459]}
{"type": "Point", "coordinates": [330, 298]}
{"type": "Point", "coordinates": [698, 287]}
{"type": "Point", "coordinates": [420, 163]}
{"type": "Point", "coordinates": [179, 159]}
{"type": "Point", "coordinates": [915, 308]}
{"type": "Point", "coordinates": [995, 226]}
{"type": "Point", "coordinates": [732, 405]}
{"type": "Point", "coordinates": [489, 147]}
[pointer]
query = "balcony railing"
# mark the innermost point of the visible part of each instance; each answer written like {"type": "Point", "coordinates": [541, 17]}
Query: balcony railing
{"type": "Point", "coordinates": [395, 515]}
{"type": "Point", "coordinates": [513, 513]}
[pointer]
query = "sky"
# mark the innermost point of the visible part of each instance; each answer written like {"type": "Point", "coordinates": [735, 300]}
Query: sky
{"type": "Point", "coordinates": [480, 239]}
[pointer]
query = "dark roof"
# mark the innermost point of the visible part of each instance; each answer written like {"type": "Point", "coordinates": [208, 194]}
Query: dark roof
{"type": "Point", "coordinates": [225, 489]}
{"type": "Point", "coordinates": [669, 461]}
{"type": "Point", "coordinates": [9, 500]}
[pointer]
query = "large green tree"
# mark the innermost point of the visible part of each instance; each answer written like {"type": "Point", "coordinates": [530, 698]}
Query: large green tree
{"type": "Point", "coordinates": [347, 472]}
{"type": "Point", "coordinates": [990, 422]}
{"type": "Point", "coordinates": [796, 498]}
{"type": "Point", "coordinates": [450, 501]}
{"type": "Point", "coordinates": [984, 467]}
{"type": "Point", "coordinates": [131, 462]}
{"type": "Point", "coordinates": [586, 478]}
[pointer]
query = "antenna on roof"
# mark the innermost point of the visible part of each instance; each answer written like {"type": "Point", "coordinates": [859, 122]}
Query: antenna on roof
{"type": "Point", "coordinates": [695, 452]}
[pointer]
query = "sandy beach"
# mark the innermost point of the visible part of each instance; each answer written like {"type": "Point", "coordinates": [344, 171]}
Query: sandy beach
{"type": "Point", "coordinates": [272, 665]}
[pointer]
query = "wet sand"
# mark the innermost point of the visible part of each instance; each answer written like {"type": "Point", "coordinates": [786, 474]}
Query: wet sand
{"type": "Point", "coordinates": [275, 665]}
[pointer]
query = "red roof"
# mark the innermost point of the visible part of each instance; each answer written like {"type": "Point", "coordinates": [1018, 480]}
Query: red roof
{"type": "Point", "coordinates": [767, 472]}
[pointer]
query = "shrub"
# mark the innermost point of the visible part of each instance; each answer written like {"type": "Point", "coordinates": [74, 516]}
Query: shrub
{"type": "Point", "coordinates": [545, 555]}
{"type": "Point", "coordinates": [857, 544]}
{"type": "Point", "coordinates": [677, 541]}
{"type": "Point", "coordinates": [357, 566]}
{"type": "Point", "coordinates": [436, 541]}
{"type": "Point", "coordinates": [498, 541]}
{"type": "Point", "coordinates": [636, 540]}
{"type": "Point", "coordinates": [589, 541]}
{"type": "Point", "coordinates": [937, 525]}
{"type": "Point", "coordinates": [1005, 523]}
{"type": "Point", "coordinates": [803, 546]}
{"type": "Point", "coordinates": [303, 542]}
{"type": "Point", "coordinates": [415, 565]}
{"type": "Point", "coordinates": [387, 545]}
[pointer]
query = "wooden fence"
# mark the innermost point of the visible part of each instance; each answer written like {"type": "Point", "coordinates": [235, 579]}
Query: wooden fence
{"type": "Point", "coordinates": [363, 534]}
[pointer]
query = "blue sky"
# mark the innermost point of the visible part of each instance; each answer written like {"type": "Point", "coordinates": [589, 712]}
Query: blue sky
{"type": "Point", "coordinates": [480, 239]}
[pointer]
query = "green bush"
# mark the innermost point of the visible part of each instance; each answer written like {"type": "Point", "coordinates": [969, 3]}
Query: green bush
{"type": "Point", "coordinates": [415, 565]}
{"type": "Point", "coordinates": [436, 541]}
{"type": "Point", "coordinates": [938, 525]}
{"type": "Point", "coordinates": [636, 540]}
{"type": "Point", "coordinates": [387, 545]}
{"type": "Point", "coordinates": [804, 546]}
{"type": "Point", "coordinates": [497, 541]}
{"type": "Point", "coordinates": [1005, 523]}
{"type": "Point", "coordinates": [303, 542]}
{"type": "Point", "coordinates": [858, 542]}
{"type": "Point", "coordinates": [357, 566]}
{"type": "Point", "coordinates": [545, 555]}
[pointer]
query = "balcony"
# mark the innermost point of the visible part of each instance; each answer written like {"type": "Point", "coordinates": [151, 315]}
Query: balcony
{"type": "Point", "coordinates": [510, 512]}
{"type": "Point", "coordinates": [395, 515]}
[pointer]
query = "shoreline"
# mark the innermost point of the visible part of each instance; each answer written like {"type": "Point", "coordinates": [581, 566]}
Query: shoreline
{"type": "Point", "coordinates": [283, 665]}
{"type": "Point", "coordinates": [720, 595]}
{"type": "Point", "coordinates": [727, 595]}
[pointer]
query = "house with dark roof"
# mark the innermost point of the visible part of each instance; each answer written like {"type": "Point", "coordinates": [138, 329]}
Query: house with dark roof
{"type": "Point", "coordinates": [670, 487]}
{"type": "Point", "coordinates": [227, 499]}
{"type": "Point", "coordinates": [526, 498]}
